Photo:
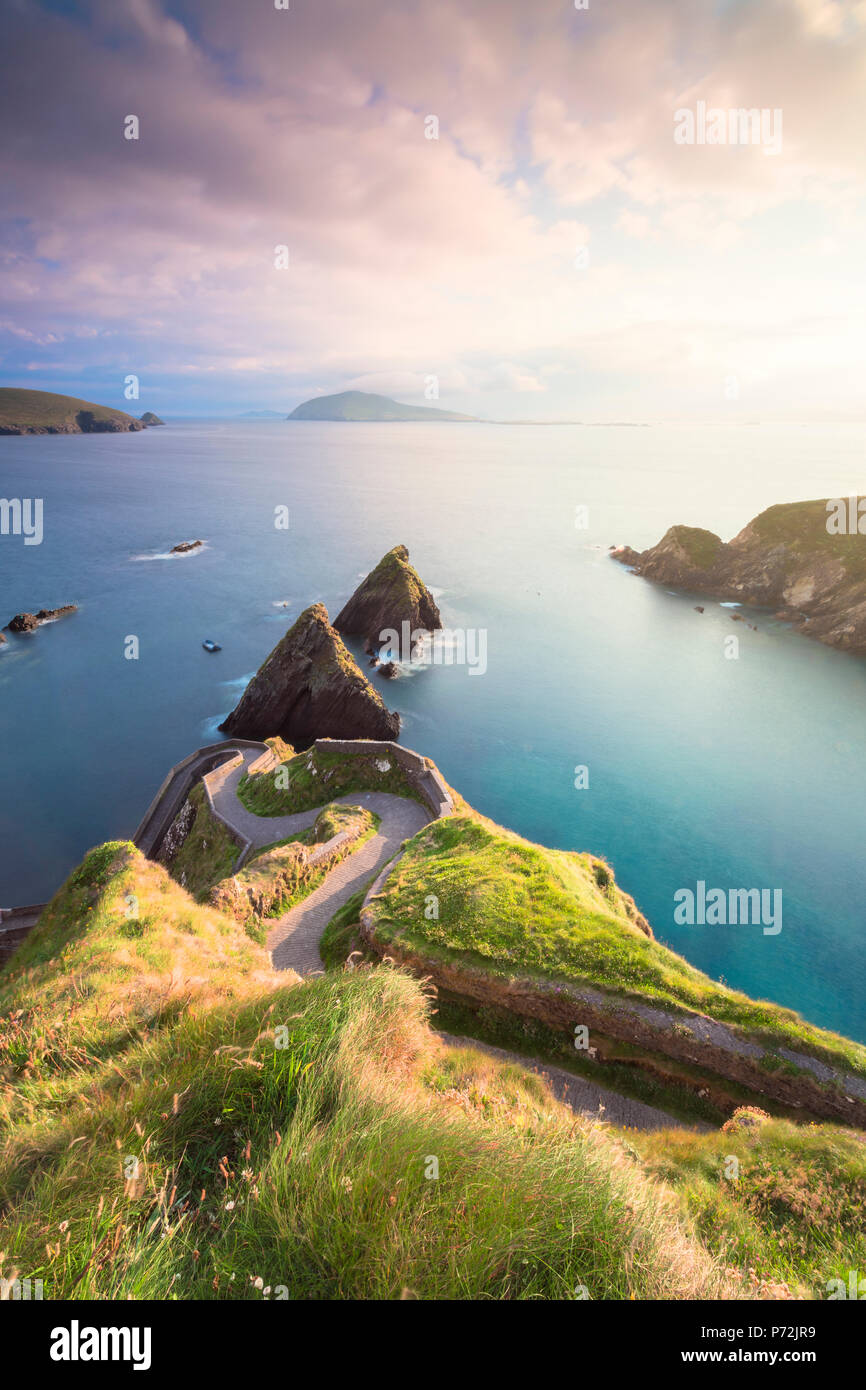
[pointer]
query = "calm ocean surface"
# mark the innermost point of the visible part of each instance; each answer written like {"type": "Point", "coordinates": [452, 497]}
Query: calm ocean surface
{"type": "Point", "coordinates": [745, 773]}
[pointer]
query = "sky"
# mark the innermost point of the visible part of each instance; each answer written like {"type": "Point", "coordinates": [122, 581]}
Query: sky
{"type": "Point", "coordinates": [555, 252]}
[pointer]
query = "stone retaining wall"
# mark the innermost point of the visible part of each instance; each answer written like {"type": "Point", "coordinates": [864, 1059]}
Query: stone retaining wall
{"type": "Point", "coordinates": [421, 773]}
{"type": "Point", "coordinates": [681, 1035]}
{"type": "Point", "coordinates": [15, 923]}
{"type": "Point", "coordinates": [176, 787]}
{"type": "Point", "coordinates": [212, 781]}
{"type": "Point", "coordinates": [211, 765]}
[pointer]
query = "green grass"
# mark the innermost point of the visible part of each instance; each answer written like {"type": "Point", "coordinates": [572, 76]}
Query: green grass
{"type": "Point", "coordinates": [207, 854]}
{"type": "Point", "coordinates": [280, 877]}
{"type": "Point", "coordinates": [802, 527]}
{"type": "Point", "coordinates": [119, 953]}
{"type": "Point", "coordinates": [796, 1211]}
{"type": "Point", "coordinates": [529, 1037]}
{"type": "Point", "coordinates": [196, 1128]}
{"type": "Point", "coordinates": [48, 411]}
{"type": "Point", "coordinates": [509, 906]}
{"type": "Point", "coordinates": [316, 777]}
{"type": "Point", "coordinates": [177, 1122]}
{"type": "Point", "coordinates": [702, 547]}
{"type": "Point", "coordinates": [340, 935]}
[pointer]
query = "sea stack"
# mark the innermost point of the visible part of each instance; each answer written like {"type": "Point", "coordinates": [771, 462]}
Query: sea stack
{"type": "Point", "coordinates": [391, 594]}
{"type": "Point", "coordinates": [308, 688]}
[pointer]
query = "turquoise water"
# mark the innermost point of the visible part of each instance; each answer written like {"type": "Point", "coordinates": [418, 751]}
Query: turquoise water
{"type": "Point", "coordinates": [744, 773]}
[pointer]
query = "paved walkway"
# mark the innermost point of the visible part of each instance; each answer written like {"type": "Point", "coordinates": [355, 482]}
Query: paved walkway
{"type": "Point", "coordinates": [294, 941]}
{"type": "Point", "coordinates": [586, 1097]}
{"type": "Point", "coordinates": [294, 938]}
{"type": "Point", "coordinates": [259, 830]}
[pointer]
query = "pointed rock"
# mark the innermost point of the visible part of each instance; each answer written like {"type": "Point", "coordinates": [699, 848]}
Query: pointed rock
{"type": "Point", "coordinates": [308, 688]}
{"type": "Point", "coordinates": [391, 594]}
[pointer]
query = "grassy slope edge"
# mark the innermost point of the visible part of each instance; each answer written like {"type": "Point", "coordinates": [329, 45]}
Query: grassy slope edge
{"type": "Point", "coordinates": [507, 906]}
{"type": "Point", "coordinates": [178, 1122]}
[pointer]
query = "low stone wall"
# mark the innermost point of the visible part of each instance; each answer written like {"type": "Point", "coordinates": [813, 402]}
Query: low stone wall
{"type": "Point", "coordinates": [176, 787]}
{"type": "Point", "coordinates": [421, 773]}
{"type": "Point", "coordinates": [212, 781]}
{"type": "Point", "coordinates": [227, 895]}
{"type": "Point", "coordinates": [211, 765]}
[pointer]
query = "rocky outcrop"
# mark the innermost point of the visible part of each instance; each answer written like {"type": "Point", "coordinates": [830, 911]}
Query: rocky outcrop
{"type": "Point", "coordinates": [392, 594]}
{"type": "Point", "coordinates": [28, 622]}
{"type": "Point", "coordinates": [148, 418]}
{"type": "Point", "coordinates": [308, 688]}
{"type": "Point", "coordinates": [184, 547]}
{"type": "Point", "coordinates": [790, 558]}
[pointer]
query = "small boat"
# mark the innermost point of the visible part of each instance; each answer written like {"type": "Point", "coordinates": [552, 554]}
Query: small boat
{"type": "Point", "coordinates": [210, 646]}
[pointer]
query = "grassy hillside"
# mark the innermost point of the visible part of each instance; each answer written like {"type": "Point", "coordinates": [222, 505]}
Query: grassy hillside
{"type": "Point", "coordinates": [802, 527]}
{"type": "Point", "coordinates": [701, 546]}
{"type": "Point", "coordinates": [178, 1122]}
{"type": "Point", "coordinates": [208, 852]}
{"type": "Point", "coordinates": [45, 412]}
{"type": "Point", "coordinates": [506, 906]}
{"type": "Point", "coordinates": [793, 1206]}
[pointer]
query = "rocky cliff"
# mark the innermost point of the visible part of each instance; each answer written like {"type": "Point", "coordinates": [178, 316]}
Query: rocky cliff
{"type": "Point", "coordinates": [391, 594]}
{"type": "Point", "coordinates": [794, 558]}
{"type": "Point", "coordinates": [309, 687]}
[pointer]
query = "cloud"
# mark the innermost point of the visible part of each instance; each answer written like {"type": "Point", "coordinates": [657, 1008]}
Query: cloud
{"type": "Point", "coordinates": [410, 256]}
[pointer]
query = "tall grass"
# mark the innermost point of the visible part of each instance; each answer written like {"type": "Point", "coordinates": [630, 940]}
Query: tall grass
{"type": "Point", "coordinates": [219, 1142]}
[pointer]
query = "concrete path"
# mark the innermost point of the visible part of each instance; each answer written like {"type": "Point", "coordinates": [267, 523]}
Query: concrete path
{"type": "Point", "coordinates": [259, 830]}
{"type": "Point", "coordinates": [294, 938]}
{"type": "Point", "coordinates": [586, 1097]}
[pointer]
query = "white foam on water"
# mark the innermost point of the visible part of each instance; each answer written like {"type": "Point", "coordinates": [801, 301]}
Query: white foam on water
{"type": "Point", "coordinates": [167, 554]}
{"type": "Point", "coordinates": [238, 683]}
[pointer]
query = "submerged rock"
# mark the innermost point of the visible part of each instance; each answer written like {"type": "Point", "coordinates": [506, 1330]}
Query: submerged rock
{"type": "Point", "coordinates": [391, 594]}
{"type": "Point", "coordinates": [184, 546]}
{"type": "Point", "coordinates": [310, 687]}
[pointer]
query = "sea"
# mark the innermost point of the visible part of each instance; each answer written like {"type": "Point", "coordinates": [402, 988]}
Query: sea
{"type": "Point", "coordinates": [607, 714]}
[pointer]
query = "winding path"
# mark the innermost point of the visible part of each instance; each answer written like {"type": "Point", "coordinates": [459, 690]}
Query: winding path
{"type": "Point", "coordinates": [294, 938]}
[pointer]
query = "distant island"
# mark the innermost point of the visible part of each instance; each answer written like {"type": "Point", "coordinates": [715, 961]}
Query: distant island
{"type": "Point", "coordinates": [148, 418]}
{"type": "Point", "coordinates": [44, 412]}
{"type": "Point", "coordinates": [805, 559]}
{"type": "Point", "coordinates": [363, 405]}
